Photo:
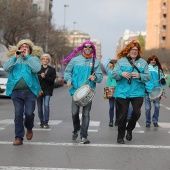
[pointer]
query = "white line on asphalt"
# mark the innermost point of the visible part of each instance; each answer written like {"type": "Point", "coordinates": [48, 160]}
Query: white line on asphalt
{"type": "Point", "coordinates": [168, 108]}
{"type": "Point", "coordinates": [41, 129]}
{"type": "Point", "coordinates": [40, 168]}
{"type": "Point", "coordinates": [90, 130]}
{"type": "Point", "coordinates": [138, 131]}
{"type": "Point", "coordinates": [90, 145]}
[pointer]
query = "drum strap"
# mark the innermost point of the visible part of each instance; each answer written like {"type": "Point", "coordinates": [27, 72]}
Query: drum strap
{"type": "Point", "coordinates": [93, 62]}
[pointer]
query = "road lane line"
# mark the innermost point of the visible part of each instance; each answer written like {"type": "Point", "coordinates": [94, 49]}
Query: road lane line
{"type": "Point", "coordinates": [41, 168]}
{"type": "Point", "coordinates": [168, 108]}
{"type": "Point", "coordinates": [90, 145]}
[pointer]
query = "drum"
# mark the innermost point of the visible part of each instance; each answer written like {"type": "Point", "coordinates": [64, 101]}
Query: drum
{"type": "Point", "coordinates": [155, 94]}
{"type": "Point", "coordinates": [108, 92]}
{"type": "Point", "coordinates": [83, 95]}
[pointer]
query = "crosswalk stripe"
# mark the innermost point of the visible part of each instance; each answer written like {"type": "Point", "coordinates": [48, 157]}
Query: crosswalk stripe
{"type": "Point", "coordinates": [40, 168]}
{"type": "Point", "coordinates": [90, 145]}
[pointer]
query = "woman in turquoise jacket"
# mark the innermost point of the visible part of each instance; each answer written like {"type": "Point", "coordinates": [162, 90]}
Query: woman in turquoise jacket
{"type": "Point", "coordinates": [157, 80]}
{"type": "Point", "coordinates": [130, 72]}
{"type": "Point", "coordinates": [111, 82]}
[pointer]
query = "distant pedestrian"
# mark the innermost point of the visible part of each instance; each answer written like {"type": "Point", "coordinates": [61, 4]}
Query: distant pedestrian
{"type": "Point", "coordinates": [111, 83]}
{"type": "Point", "coordinates": [80, 69]}
{"type": "Point", "coordinates": [47, 76]}
{"type": "Point", "coordinates": [130, 72]}
{"type": "Point", "coordinates": [23, 85]}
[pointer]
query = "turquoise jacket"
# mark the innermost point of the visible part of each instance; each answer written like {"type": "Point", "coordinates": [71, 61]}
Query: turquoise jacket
{"type": "Point", "coordinates": [78, 71]}
{"type": "Point", "coordinates": [110, 82]}
{"type": "Point", "coordinates": [154, 78]}
{"type": "Point", "coordinates": [27, 69]}
{"type": "Point", "coordinates": [137, 86]}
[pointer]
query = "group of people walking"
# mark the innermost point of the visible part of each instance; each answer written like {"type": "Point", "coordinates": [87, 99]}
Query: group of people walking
{"type": "Point", "coordinates": [135, 79]}
{"type": "Point", "coordinates": [31, 80]}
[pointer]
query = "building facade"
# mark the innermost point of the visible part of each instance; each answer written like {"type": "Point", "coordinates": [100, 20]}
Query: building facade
{"type": "Point", "coordinates": [44, 6]}
{"type": "Point", "coordinates": [127, 37]}
{"type": "Point", "coordinates": [77, 37]}
{"type": "Point", "coordinates": [158, 24]}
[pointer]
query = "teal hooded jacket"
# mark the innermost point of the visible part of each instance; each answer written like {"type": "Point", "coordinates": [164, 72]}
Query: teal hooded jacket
{"type": "Point", "coordinates": [78, 71]}
{"type": "Point", "coordinates": [137, 86]}
{"type": "Point", "coordinates": [26, 68]}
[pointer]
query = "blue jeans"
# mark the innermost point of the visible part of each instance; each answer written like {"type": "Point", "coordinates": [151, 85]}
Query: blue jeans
{"type": "Point", "coordinates": [85, 118]}
{"type": "Point", "coordinates": [112, 103]}
{"type": "Point", "coordinates": [43, 117]}
{"type": "Point", "coordinates": [148, 110]}
{"type": "Point", "coordinates": [24, 102]}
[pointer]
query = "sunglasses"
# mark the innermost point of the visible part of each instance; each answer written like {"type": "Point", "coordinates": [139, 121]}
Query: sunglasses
{"type": "Point", "coordinates": [87, 46]}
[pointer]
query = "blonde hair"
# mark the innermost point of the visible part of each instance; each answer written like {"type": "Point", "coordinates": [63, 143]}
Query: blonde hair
{"type": "Point", "coordinates": [47, 56]}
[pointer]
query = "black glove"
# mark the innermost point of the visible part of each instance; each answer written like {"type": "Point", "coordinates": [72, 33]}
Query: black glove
{"type": "Point", "coordinates": [163, 82]}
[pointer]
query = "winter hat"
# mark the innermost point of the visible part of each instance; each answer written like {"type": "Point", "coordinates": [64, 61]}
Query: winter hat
{"type": "Point", "coordinates": [35, 50]}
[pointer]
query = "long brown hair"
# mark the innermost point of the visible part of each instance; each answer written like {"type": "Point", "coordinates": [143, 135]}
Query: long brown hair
{"type": "Point", "coordinates": [127, 49]}
{"type": "Point", "coordinates": [157, 61]}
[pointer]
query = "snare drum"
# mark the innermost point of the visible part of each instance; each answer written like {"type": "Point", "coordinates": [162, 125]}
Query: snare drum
{"type": "Point", "coordinates": [155, 94]}
{"type": "Point", "coordinates": [83, 95]}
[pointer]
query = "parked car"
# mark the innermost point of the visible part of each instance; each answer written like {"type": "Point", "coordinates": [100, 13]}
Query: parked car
{"type": "Point", "coordinates": [3, 80]}
{"type": "Point", "coordinates": [59, 81]}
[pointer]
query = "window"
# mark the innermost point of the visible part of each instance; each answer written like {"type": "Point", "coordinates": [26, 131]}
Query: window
{"type": "Point", "coordinates": [164, 16]}
{"type": "Point", "coordinates": [164, 4]}
{"type": "Point", "coordinates": [163, 27]}
{"type": "Point", "coordinates": [163, 39]}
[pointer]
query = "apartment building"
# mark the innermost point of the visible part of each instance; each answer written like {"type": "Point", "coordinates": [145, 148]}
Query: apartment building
{"type": "Point", "coordinates": [43, 5]}
{"type": "Point", "coordinates": [127, 37]}
{"type": "Point", "coordinates": [158, 24]}
{"type": "Point", "coordinates": [77, 37]}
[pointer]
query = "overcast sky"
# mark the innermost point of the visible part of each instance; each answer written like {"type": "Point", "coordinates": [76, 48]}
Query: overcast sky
{"type": "Point", "coordinates": [105, 20]}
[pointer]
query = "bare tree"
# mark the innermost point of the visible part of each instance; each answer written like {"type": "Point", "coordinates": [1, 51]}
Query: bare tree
{"type": "Point", "coordinates": [20, 20]}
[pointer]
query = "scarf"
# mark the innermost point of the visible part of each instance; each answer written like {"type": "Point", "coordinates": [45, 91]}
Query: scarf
{"type": "Point", "coordinates": [87, 56]}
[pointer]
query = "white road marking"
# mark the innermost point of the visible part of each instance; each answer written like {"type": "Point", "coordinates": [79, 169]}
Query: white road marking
{"type": "Point", "coordinates": [91, 130]}
{"type": "Point", "coordinates": [40, 168]}
{"type": "Point", "coordinates": [137, 125]}
{"type": "Point", "coordinates": [41, 129]}
{"type": "Point", "coordinates": [54, 122]}
{"type": "Point", "coordinates": [90, 145]}
{"type": "Point", "coordinates": [7, 121]}
{"type": "Point", "coordinates": [168, 108]}
{"type": "Point", "coordinates": [164, 125]}
{"type": "Point", "coordinates": [138, 131]}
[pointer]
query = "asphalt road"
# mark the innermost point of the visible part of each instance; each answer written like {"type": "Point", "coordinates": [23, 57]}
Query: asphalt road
{"type": "Point", "coordinates": [53, 149]}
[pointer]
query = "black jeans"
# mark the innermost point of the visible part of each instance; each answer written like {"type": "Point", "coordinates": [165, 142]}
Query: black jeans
{"type": "Point", "coordinates": [123, 105]}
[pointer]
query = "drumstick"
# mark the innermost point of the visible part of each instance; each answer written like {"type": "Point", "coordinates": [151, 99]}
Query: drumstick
{"type": "Point", "coordinates": [88, 79]}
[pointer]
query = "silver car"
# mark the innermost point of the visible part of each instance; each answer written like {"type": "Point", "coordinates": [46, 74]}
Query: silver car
{"type": "Point", "coordinates": [3, 80]}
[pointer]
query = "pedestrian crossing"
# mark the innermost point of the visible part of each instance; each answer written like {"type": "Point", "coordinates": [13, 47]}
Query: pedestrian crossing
{"type": "Point", "coordinates": [93, 125]}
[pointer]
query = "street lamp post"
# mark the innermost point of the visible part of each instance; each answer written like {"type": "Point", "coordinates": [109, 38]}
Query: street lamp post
{"type": "Point", "coordinates": [65, 6]}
